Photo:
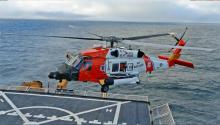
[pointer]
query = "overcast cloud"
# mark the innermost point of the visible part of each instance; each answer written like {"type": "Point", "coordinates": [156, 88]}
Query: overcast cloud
{"type": "Point", "coordinates": [115, 10]}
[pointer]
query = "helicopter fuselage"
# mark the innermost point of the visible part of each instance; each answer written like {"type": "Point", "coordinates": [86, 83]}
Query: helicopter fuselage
{"type": "Point", "coordinates": [114, 66]}
{"type": "Point", "coordinates": [121, 65]}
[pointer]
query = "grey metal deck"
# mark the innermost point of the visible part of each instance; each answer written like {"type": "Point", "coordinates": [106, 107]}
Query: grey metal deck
{"type": "Point", "coordinates": [27, 108]}
{"type": "Point", "coordinates": [23, 105]}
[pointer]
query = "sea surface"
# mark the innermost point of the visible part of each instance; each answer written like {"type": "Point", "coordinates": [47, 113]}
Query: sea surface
{"type": "Point", "coordinates": [193, 95]}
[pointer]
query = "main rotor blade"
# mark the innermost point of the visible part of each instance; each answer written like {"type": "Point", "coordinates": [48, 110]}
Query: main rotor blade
{"type": "Point", "coordinates": [94, 34]}
{"type": "Point", "coordinates": [166, 46]}
{"type": "Point", "coordinates": [67, 37]}
{"type": "Point", "coordinates": [144, 37]}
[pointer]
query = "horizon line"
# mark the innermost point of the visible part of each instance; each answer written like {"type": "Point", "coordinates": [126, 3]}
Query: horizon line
{"type": "Point", "coordinates": [125, 21]}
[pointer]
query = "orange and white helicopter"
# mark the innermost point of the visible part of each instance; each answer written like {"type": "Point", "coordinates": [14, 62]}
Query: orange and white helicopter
{"type": "Point", "coordinates": [115, 65]}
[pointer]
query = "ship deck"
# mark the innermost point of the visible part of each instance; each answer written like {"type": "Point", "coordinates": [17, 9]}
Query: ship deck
{"type": "Point", "coordinates": [46, 108]}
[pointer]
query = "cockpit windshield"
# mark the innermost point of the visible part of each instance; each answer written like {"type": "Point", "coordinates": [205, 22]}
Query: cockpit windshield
{"type": "Point", "coordinates": [74, 62]}
{"type": "Point", "coordinates": [77, 61]}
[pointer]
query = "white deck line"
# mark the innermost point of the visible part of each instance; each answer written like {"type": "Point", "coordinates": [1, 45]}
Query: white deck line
{"type": "Point", "coordinates": [1, 100]}
{"type": "Point", "coordinates": [14, 107]}
{"type": "Point", "coordinates": [61, 97]}
{"type": "Point", "coordinates": [118, 108]}
{"type": "Point", "coordinates": [83, 112]}
{"type": "Point", "coordinates": [95, 109]}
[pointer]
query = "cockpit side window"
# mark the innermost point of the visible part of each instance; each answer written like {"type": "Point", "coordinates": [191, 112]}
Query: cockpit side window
{"type": "Point", "coordinates": [70, 58]}
{"type": "Point", "coordinates": [78, 63]}
{"type": "Point", "coordinates": [87, 65]}
{"type": "Point", "coordinates": [75, 62]}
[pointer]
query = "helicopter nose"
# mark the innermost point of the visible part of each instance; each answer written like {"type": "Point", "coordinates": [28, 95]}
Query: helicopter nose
{"type": "Point", "coordinates": [53, 75]}
{"type": "Point", "coordinates": [58, 76]}
{"type": "Point", "coordinates": [68, 76]}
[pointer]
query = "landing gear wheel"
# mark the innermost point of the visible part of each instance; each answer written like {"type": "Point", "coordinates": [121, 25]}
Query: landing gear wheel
{"type": "Point", "coordinates": [104, 88]}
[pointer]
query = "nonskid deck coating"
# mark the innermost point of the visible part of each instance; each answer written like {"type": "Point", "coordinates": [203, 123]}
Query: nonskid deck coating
{"type": "Point", "coordinates": [26, 108]}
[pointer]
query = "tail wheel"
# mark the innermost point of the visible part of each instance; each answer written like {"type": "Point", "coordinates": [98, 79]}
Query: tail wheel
{"type": "Point", "coordinates": [104, 88]}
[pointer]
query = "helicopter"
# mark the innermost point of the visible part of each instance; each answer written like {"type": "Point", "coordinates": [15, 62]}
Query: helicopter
{"type": "Point", "coordinates": [114, 65]}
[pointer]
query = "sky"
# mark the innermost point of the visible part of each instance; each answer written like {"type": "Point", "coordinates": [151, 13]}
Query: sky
{"type": "Point", "coordinates": [113, 10]}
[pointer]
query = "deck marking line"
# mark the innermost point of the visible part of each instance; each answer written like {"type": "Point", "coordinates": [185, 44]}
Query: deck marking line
{"type": "Point", "coordinates": [28, 115]}
{"type": "Point", "coordinates": [2, 100]}
{"type": "Point", "coordinates": [66, 119]}
{"type": "Point", "coordinates": [63, 97]}
{"type": "Point", "coordinates": [39, 116]}
{"type": "Point", "coordinates": [82, 120]}
{"type": "Point", "coordinates": [52, 117]}
{"type": "Point", "coordinates": [79, 113]}
{"type": "Point", "coordinates": [2, 112]}
{"type": "Point", "coordinates": [108, 110]}
{"type": "Point", "coordinates": [95, 122]}
{"type": "Point", "coordinates": [108, 123]}
{"type": "Point", "coordinates": [117, 112]}
{"type": "Point", "coordinates": [13, 114]}
{"type": "Point", "coordinates": [95, 109]}
{"type": "Point", "coordinates": [14, 107]}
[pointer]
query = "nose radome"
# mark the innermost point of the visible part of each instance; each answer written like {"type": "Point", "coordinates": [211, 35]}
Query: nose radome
{"type": "Point", "coordinates": [53, 75]}
{"type": "Point", "coordinates": [58, 76]}
{"type": "Point", "coordinates": [68, 76]}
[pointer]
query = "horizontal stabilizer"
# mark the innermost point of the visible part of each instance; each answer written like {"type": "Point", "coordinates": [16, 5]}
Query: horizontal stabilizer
{"type": "Point", "coordinates": [163, 57]}
{"type": "Point", "coordinates": [184, 63]}
{"type": "Point", "coordinates": [177, 61]}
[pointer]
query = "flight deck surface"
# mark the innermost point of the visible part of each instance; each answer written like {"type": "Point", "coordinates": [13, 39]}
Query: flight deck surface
{"type": "Point", "coordinates": [19, 108]}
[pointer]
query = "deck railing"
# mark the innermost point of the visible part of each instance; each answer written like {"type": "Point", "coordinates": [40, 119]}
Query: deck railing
{"type": "Point", "coordinates": [161, 115]}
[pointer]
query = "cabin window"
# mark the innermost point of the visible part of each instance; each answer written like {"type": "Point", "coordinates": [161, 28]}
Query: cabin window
{"type": "Point", "coordinates": [123, 67]}
{"type": "Point", "coordinates": [130, 67]}
{"type": "Point", "coordinates": [115, 67]}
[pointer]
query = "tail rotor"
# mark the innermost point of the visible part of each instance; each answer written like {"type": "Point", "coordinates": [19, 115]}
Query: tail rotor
{"type": "Point", "coordinates": [177, 39]}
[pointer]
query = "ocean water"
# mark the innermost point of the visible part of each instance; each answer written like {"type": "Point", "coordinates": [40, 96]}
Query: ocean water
{"type": "Point", "coordinates": [193, 95]}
